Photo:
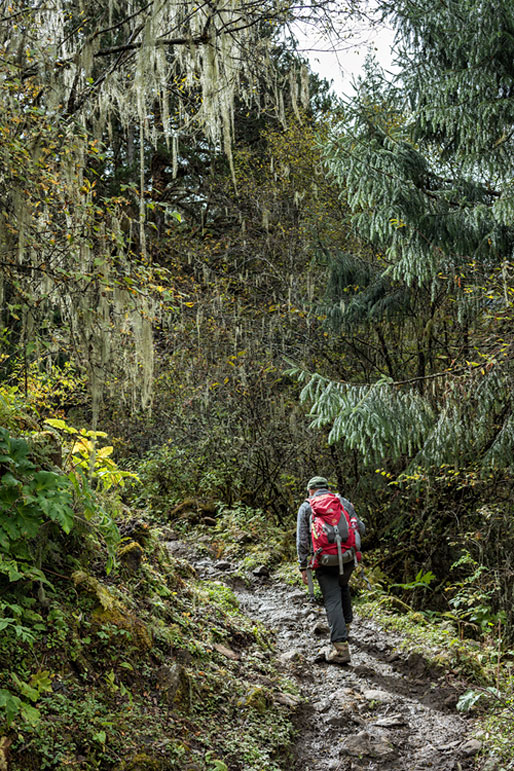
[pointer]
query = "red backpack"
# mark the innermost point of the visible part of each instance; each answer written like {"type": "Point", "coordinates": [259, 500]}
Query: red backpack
{"type": "Point", "coordinates": [333, 532]}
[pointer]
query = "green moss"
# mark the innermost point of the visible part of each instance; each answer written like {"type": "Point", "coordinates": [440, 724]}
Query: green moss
{"type": "Point", "coordinates": [222, 596]}
{"type": "Point", "coordinates": [255, 699]}
{"type": "Point", "coordinates": [436, 640]}
{"type": "Point", "coordinates": [141, 762]}
{"type": "Point", "coordinates": [131, 555]}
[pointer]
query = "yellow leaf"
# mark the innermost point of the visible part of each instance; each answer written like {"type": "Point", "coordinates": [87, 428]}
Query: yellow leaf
{"type": "Point", "coordinates": [104, 452]}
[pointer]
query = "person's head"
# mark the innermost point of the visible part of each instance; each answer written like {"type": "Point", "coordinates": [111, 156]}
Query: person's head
{"type": "Point", "coordinates": [316, 483]}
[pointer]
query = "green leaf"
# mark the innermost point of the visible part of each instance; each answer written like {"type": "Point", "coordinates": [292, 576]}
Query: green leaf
{"type": "Point", "coordinates": [30, 714]}
{"type": "Point", "coordinates": [468, 699]}
{"type": "Point", "coordinates": [8, 480]}
{"type": "Point", "coordinates": [10, 704]}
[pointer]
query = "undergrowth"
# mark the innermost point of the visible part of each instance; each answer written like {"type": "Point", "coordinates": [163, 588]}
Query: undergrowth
{"type": "Point", "coordinates": [147, 668]}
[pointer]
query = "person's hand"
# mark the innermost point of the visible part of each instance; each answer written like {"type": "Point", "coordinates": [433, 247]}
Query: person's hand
{"type": "Point", "coordinates": [304, 577]}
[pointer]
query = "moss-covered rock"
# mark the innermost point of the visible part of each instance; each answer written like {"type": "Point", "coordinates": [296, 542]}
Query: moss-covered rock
{"type": "Point", "coordinates": [131, 556]}
{"type": "Point", "coordinates": [142, 762]}
{"type": "Point", "coordinates": [111, 611]}
{"type": "Point", "coordinates": [256, 699]}
{"type": "Point", "coordinates": [174, 684]}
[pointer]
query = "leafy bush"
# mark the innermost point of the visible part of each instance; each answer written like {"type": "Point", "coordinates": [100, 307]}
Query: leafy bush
{"type": "Point", "coordinates": [37, 505]}
{"type": "Point", "coordinates": [30, 498]}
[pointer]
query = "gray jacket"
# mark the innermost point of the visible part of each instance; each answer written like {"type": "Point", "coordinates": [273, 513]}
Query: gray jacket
{"type": "Point", "coordinates": [303, 527]}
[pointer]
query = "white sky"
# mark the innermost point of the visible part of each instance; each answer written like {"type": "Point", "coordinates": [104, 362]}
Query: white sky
{"type": "Point", "coordinates": [341, 61]}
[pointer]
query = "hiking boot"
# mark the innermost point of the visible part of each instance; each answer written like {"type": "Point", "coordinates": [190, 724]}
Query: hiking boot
{"type": "Point", "coordinates": [338, 654]}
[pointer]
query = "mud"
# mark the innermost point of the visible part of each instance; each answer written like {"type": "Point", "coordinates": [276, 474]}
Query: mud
{"type": "Point", "coordinates": [385, 710]}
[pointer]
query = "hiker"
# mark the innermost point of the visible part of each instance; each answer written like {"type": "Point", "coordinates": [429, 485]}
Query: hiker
{"type": "Point", "coordinates": [332, 577]}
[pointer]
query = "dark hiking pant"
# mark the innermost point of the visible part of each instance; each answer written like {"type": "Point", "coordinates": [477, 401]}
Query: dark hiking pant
{"type": "Point", "coordinates": [337, 599]}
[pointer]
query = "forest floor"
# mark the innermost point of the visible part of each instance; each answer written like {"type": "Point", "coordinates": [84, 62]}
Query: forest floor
{"type": "Point", "coordinates": [386, 710]}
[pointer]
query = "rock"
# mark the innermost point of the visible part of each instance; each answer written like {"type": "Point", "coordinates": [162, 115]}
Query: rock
{"type": "Point", "coordinates": [381, 748]}
{"type": "Point", "coordinates": [176, 548]}
{"type": "Point", "coordinates": [131, 555]}
{"type": "Point", "coordinates": [289, 656]}
{"type": "Point", "coordinates": [223, 565]}
{"type": "Point", "coordinates": [470, 748]}
{"type": "Point", "coordinates": [449, 746]}
{"type": "Point", "coordinates": [298, 596]}
{"type": "Point", "coordinates": [210, 521]}
{"type": "Point", "coordinates": [392, 721]}
{"type": "Point", "coordinates": [173, 683]}
{"type": "Point", "coordinates": [227, 652]}
{"type": "Point", "coordinates": [261, 571]}
{"type": "Point", "coordinates": [110, 610]}
{"type": "Point", "coordinates": [288, 699]}
{"type": "Point", "coordinates": [320, 629]}
{"type": "Point", "coordinates": [338, 721]}
{"type": "Point", "coordinates": [381, 696]}
{"type": "Point", "coordinates": [257, 699]}
{"type": "Point", "coordinates": [362, 744]}
{"type": "Point", "coordinates": [345, 709]}
{"type": "Point", "coordinates": [345, 695]}
{"type": "Point", "coordinates": [167, 534]}
{"type": "Point", "coordinates": [202, 564]}
{"type": "Point", "coordinates": [357, 745]}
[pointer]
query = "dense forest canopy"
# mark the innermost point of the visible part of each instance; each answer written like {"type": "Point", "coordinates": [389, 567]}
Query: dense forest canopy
{"type": "Point", "coordinates": [109, 111]}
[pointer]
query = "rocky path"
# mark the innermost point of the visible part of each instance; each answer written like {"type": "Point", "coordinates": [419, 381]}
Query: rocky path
{"type": "Point", "coordinates": [384, 711]}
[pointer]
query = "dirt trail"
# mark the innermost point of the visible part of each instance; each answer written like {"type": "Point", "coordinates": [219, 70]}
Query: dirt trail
{"type": "Point", "coordinates": [384, 711]}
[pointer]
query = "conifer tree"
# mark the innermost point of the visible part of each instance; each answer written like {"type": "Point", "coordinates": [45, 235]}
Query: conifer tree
{"type": "Point", "coordinates": [425, 164]}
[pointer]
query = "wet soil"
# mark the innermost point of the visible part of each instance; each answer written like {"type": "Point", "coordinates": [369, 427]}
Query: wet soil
{"type": "Point", "coordinates": [386, 710]}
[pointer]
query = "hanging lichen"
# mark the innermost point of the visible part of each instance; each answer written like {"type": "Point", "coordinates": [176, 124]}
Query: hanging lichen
{"type": "Point", "coordinates": [76, 75]}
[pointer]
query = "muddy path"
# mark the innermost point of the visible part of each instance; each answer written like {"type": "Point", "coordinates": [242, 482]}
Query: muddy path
{"type": "Point", "coordinates": [384, 711]}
